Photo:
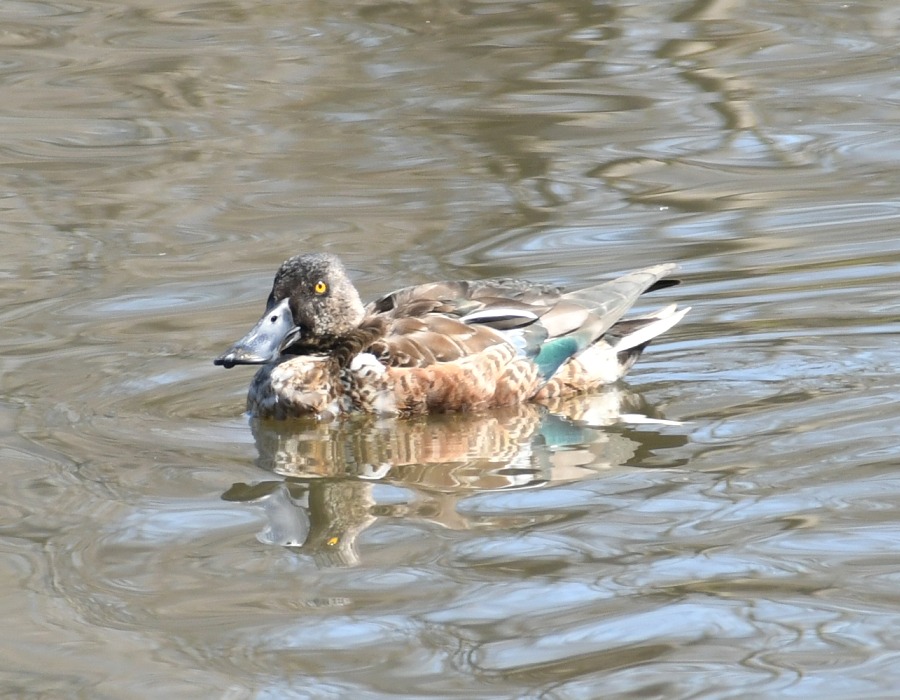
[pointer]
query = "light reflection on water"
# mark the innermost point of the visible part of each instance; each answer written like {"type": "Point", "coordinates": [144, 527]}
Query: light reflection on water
{"type": "Point", "coordinates": [162, 158]}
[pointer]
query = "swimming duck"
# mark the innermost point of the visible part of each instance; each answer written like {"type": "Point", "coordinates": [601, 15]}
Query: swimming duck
{"type": "Point", "coordinates": [443, 346]}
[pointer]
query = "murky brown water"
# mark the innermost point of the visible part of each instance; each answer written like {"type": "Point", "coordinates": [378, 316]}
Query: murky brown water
{"type": "Point", "coordinates": [159, 159]}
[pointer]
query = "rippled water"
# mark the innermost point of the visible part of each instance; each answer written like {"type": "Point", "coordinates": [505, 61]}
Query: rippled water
{"type": "Point", "coordinates": [159, 159]}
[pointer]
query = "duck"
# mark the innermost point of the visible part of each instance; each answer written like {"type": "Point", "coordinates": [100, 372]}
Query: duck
{"type": "Point", "coordinates": [439, 346]}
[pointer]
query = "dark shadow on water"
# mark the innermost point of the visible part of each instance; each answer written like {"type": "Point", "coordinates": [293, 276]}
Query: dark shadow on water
{"type": "Point", "coordinates": [326, 494]}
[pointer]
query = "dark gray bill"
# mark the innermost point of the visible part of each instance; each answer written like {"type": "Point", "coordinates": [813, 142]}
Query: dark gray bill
{"type": "Point", "coordinates": [265, 341]}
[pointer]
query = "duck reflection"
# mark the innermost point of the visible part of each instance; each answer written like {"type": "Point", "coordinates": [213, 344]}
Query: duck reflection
{"type": "Point", "coordinates": [327, 494]}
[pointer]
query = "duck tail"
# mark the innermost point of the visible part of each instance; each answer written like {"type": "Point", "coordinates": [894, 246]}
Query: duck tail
{"type": "Point", "coordinates": [637, 334]}
{"type": "Point", "coordinates": [639, 331]}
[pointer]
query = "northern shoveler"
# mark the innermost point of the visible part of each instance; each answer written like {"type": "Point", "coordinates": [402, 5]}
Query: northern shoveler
{"type": "Point", "coordinates": [443, 346]}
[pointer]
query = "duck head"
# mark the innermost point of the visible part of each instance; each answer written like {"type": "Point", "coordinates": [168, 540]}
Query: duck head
{"type": "Point", "coordinates": [313, 303]}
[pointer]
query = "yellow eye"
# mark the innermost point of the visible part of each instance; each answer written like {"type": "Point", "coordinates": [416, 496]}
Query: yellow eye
{"type": "Point", "coordinates": [320, 287]}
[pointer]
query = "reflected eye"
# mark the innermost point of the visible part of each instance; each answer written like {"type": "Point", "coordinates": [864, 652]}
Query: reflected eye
{"type": "Point", "coordinates": [320, 287]}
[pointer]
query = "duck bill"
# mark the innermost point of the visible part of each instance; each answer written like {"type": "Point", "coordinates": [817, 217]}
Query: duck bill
{"type": "Point", "coordinates": [265, 341]}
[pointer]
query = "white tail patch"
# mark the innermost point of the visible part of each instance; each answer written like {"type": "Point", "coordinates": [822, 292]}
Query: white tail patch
{"type": "Point", "coordinates": [665, 319]}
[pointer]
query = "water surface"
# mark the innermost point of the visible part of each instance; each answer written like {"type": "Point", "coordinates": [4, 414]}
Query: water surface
{"type": "Point", "coordinates": [159, 161]}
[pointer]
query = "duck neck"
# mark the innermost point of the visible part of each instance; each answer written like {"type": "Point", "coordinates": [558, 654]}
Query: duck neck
{"type": "Point", "coordinates": [360, 339]}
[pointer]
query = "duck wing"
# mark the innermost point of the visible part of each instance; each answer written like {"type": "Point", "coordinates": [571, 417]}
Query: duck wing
{"type": "Point", "coordinates": [459, 298]}
{"type": "Point", "coordinates": [445, 321]}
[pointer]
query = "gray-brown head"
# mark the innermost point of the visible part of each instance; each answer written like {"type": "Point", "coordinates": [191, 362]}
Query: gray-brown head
{"type": "Point", "coordinates": [322, 299]}
{"type": "Point", "coordinates": [312, 305]}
